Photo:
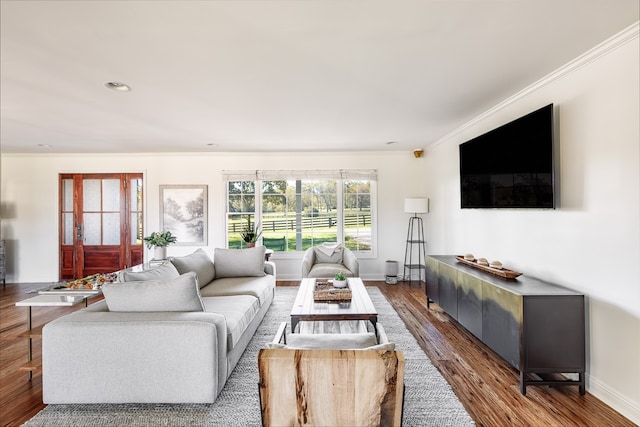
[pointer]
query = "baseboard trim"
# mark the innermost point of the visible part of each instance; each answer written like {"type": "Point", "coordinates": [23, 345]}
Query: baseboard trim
{"type": "Point", "coordinates": [623, 405]}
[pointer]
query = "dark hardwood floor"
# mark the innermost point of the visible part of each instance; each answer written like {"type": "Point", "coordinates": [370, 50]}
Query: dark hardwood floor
{"type": "Point", "coordinates": [487, 386]}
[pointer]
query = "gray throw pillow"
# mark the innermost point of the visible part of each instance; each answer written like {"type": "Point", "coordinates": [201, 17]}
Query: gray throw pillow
{"type": "Point", "coordinates": [333, 342]}
{"type": "Point", "coordinates": [239, 262]}
{"type": "Point", "coordinates": [200, 263]}
{"type": "Point", "coordinates": [164, 271]}
{"type": "Point", "coordinates": [323, 257]}
{"type": "Point", "coordinates": [180, 294]}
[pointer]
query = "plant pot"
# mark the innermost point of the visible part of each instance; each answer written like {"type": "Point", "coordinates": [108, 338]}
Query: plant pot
{"type": "Point", "coordinates": [251, 244]}
{"type": "Point", "coordinates": [339, 283]}
{"type": "Point", "coordinates": [160, 252]}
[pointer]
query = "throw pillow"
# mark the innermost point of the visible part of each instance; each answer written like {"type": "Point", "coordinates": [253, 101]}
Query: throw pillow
{"type": "Point", "coordinates": [379, 347]}
{"type": "Point", "coordinates": [200, 263]}
{"type": "Point", "coordinates": [180, 294]}
{"type": "Point", "coordinates": [390, 346]}
{"type": "Point", "coordinates": [329, 253]}
{"type": "Point", "coordinates": [331, 341]}
{"type": "Point", "coordinates": [164, 271]}
{"type": "Point", "coordinates": [239, 262]}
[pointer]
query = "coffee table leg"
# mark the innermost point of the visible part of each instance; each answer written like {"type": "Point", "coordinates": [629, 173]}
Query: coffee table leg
{"type": "Point", "coordinates": [294, 322]}
{"type": "Point", "coordinates": [373, 320]}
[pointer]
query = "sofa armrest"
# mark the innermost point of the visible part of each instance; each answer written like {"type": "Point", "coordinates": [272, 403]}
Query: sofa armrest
{"type": "Point", "coordinates": [281, 334]}
{"type": "Point", "coordinates": [97, 356]}
{"type": "Point", "coordinates": [351, 262]}
{"type": "Point", "coordinates": [308, 260]}
{"type": "Point", "coordinates": [270, 268]}
{"type": "Point", "coordinates": [381, 335]}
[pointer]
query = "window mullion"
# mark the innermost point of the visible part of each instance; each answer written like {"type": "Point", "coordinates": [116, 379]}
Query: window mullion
{"type": "Point", "coordinates": [257, 215]}
{"type": "Point", "coordinates": [340, 209]}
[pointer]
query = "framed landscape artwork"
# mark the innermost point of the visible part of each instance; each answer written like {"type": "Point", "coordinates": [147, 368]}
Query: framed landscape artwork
{"type": "Point", "coordinates": [183, 212]}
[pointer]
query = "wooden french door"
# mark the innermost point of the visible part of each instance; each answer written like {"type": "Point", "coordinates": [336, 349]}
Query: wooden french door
{"type": "Point", "coordinates": [100, 223]}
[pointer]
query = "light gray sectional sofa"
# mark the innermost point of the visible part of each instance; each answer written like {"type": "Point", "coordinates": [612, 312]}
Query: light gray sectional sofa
{"type": "Point", "coordinates": [170, 334]}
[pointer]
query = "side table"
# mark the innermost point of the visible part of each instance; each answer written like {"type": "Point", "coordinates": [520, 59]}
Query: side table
{"type": "Point", "coordinates": [267, 254]}
{"type": "Point", "coordinates": [45, 300]}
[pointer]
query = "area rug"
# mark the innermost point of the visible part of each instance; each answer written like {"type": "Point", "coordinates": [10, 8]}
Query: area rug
{"type": "Point", "coordinates": [428, 400]}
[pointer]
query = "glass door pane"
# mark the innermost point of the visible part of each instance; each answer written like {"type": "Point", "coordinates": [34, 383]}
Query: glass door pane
{"type": "Point", "coordinates": [111, 195]}
{"type": "Point", "coordinates": [101, 211]}
{"type": "Point", "coordinates": [135, 197]}
{"type": "Point", "coordinates": [68, 226]}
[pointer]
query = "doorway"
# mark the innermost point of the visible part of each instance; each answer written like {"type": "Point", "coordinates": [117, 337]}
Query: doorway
{"type": "Point", "coordinates": [100, 223]}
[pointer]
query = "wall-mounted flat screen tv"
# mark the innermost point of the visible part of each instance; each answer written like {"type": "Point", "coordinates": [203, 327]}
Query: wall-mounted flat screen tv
{"type": "Point", "coordinates": [511, 166]}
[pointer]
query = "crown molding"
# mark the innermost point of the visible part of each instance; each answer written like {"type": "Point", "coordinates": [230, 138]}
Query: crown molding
{"type": "Point", "coordinates": [620, 39]}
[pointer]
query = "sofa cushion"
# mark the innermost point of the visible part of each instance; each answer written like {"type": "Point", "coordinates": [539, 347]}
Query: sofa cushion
{"type": "Point", "coordinates": [319, 346]}
{"type": "Point", "coordinates": [238, 311]}
{"type": "Point", "coordinates": [200, 263]}
{"type": "Point", "coordinates": [239, 262]}
{"type": "Point", "coordinates": [328, 270]}
{"type": "Point", "coordinates": [180, 294]}
{"type": "Point", "coordinates": [259, 287]}
{"type": "Point", "coordinates": [329, 252]}
{"type": "Point", "coordinates": [164, 271]}
{"type": "Point", "coordinates": [330, 342]}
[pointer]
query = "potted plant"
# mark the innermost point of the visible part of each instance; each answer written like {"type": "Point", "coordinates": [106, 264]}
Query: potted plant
{"type": "Point", "coordinates": [159, 240]}
{"type": "Point", "coordinates": [339, 281]}
{"type": "Point", "coordinates": [249, 234]}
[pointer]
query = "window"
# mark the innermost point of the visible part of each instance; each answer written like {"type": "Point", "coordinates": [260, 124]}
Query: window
{"type": "Point", "coordinates": [295, 210]}
{"type": "Point", "coordinates": [241, 208]}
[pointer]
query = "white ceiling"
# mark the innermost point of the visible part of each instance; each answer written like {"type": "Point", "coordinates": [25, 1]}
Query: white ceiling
{"type": "Point", "coordinates": [264, 75]}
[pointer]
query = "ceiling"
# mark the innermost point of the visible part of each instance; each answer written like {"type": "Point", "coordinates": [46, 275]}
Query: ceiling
{"type": "Point", "coordinates": [265, 75]}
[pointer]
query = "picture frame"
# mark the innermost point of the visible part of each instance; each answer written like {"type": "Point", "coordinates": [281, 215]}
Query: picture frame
{"type": "Point", "coordinates": [183, 211]}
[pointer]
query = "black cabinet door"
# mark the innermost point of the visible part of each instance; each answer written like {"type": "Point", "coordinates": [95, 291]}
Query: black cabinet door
{"type": "Point", "coordinates": [432, 288]}
{"type": "Point", "coordinates": [448, 277]}
{"type": "Point", "coordinates": [501, 320]}
{"type": "Point", "coordinates": [553, 335]}
{"type": "Point", "coordinates": [470, 304]}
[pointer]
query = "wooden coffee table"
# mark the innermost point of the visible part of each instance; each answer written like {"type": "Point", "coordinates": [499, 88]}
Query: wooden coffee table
{"type": "Point", "coordinates": [359, 308]}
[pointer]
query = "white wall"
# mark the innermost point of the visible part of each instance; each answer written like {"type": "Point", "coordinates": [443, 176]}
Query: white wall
{"type": "Point", "coordinates": [591, 243]}
{"type": "Point", "coordinates": [30, 200]}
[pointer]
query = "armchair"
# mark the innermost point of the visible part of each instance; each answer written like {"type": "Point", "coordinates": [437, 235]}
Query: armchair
{"type": "Point", "coordinates": [328, 259]}
{"type": "Point", "coordinates": [329, 379]}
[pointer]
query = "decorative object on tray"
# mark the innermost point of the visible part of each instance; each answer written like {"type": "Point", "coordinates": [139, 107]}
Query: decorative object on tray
{"type": "Point", "coordinates": [483, 261]}
{"type": "Point", "coordinates": [95, 281]}
{"type": "Point", "coordinates": [159, 240]}
{"type": "Point", "coordinates": [494, 267]}
{"type": "Point", "coordinates": [339, 281]}
{"type": "Point", "coordinates": [325, 291]}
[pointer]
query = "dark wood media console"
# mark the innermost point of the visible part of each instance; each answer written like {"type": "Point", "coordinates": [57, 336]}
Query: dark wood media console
{"type": "Point", "coordinates": [538, 327]}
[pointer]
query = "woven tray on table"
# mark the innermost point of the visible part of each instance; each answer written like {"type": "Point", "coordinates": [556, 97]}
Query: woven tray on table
{"type": "Point", "coordinates": [324, 291]}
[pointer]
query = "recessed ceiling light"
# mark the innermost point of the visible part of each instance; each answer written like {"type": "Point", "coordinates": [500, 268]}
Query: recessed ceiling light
{"type": "Point", "coordinates": [120, 87]}
{"type": "Point", "coordinates": [392, 142]}
{"type": "Point", "coordinates": [45, 145]}
{"type": "Point", "coordinates": [211, 144]}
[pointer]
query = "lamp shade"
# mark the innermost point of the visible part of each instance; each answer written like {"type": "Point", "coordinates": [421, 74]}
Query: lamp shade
{"type": "Point", "coordinates": [416, 205]}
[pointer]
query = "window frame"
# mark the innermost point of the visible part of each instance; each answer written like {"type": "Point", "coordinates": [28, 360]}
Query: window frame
{"type": "Point", "coordinates": [341, 176]}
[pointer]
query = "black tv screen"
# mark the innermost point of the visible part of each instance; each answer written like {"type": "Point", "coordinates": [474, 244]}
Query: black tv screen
{"type": "Point", "coordinates": [511, 166]}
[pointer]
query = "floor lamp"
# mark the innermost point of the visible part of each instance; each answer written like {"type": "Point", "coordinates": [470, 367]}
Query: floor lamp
{"type": "Point", "coordinates": [415, 238]}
